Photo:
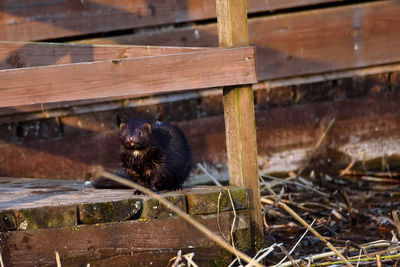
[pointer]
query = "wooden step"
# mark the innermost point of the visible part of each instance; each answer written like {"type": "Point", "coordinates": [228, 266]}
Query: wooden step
{"type": "Point", "coordinates": [87, 225]}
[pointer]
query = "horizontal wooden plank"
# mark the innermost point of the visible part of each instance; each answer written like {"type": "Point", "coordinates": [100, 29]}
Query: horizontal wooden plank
{"type": "Point", "coordinates": [39, 20]}
{"type": "Point", "coordinates": [62, 109]}
{"type": "Point", "coordinates": [328, 40]}
{"type": "Point", "coordinates": [272, 63]}
{"type": "Point", "coordinates": [27, 193]}
{"type": "Point", "coordinates": [303, 43]}
{"type": "Point", "coordinates": [132, 243]}
{"type": "Point", "coordinates": [288, 126]}
{"type": "Point", "coordinates": [29, 54]}
{"type": "Point", "coordinates": [33, 54]}
{"type": "Point", "coordinates": [137, 76]}
{"type": "Point", "coordinates": [272, 5]}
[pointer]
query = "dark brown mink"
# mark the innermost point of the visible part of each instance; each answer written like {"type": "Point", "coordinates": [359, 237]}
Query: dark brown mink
{"type": "Point", "coordinates": [156, 156]}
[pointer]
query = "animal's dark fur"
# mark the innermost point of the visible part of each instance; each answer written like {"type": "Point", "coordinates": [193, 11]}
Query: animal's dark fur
{"type": "Point", "coordinates": [156, 156]}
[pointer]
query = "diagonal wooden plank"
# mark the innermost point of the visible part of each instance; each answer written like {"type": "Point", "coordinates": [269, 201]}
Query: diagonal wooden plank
{"type": "Point", "coordinates": [135, 76]}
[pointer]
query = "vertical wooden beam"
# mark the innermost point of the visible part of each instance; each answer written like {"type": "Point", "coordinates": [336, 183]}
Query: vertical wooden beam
{"type": "Point", "coordinates": [239, 116]}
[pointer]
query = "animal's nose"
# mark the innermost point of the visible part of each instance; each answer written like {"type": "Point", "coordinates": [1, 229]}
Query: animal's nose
{"type": "Point", "coordinates": [131, 139]}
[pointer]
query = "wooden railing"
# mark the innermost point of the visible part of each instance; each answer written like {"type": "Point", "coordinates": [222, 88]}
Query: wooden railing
{"type": "Point", "coordinates": [127, 72]}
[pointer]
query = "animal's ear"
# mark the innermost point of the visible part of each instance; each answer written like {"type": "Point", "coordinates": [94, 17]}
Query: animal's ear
{"type": "Point", "coordinates": [123, 126]}
{"type": "Point", "coordinates": [147, 127]}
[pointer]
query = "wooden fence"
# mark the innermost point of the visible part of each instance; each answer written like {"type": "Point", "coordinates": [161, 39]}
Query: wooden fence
{"type": "Point", "coordinates": [38, 20]}
{"type": "Point", "coordinates": [232, 65]}
{"type": "Point", "coordinates": [123, 76]}
{"type": "Point", "coordinates": [289, 44]}
{"type": "Point", "coordinates": [327, 43]}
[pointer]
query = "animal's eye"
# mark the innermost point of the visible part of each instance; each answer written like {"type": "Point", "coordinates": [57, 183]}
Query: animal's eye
{"type": "Point", "coordinates": [139, 132]}
{"type": "Point", "coordinates": [126, 133]}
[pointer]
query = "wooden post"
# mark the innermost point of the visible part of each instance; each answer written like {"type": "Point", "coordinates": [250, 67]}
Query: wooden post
{"type": "Point", "coordinates": [239, 115]}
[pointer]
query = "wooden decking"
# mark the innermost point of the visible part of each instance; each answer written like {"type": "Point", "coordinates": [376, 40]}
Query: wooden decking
{"type": "Point", "coordinates": [86, 225]}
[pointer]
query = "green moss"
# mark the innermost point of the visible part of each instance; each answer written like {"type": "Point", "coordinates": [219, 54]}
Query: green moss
{"type": "Point", "coordinates": [209, 200]}
{"type": "Point", "coordinates": [7, 221]}
{"type": "Point", "coordinates": [46, 217]}
{"type": "Point", "coordinates": [113, 211]}
{"type": "Point", "coordinates": [258, 243]}
{"type": "Point", "coordinates": [152, 209]}
{"type": "Point", "coordinates": [223, 259]}
{"type": "Point", "coordinates": [242, 239]}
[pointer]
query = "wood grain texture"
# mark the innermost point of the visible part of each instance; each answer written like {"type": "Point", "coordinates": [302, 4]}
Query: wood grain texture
{"type": "Point", "coordinates": [240, 126]}
{"type": "Point", "coordinates": [272, 5]}
{"type": "Point", "coordinates": [241, 144]}
{"type": "Point", "coordinates": [137, 243]}
{"type": "Point", "coordinates": [112, 211]}
{"type": "Point", "coordinates": [303, 43]}
{"type": "Point", "coordinates": [137, 76]}
{"type": "Point", "coordinates": [38, 20]}
{"type": "Point", "coordinates": [94, 106]}
{"type": "Point", "coordinates": [27, 193]}
{"type": "Point", "coordinates": [232, 23]}
{"type": "Point", "coordinates": [153, 209]}
{"type": "Point", "coordinates": [29, 54]}
{"type": "Point", "coordinates": [286, 49]}
{"type": "Point", "coordinates": [328, 39]}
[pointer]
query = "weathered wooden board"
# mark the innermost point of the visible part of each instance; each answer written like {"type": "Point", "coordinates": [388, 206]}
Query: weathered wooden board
{"type": "Point", "coordinates": [239, 114]}
{"type": "Point", "coordinates": [294, 49]}
{"type": "Point", "coordinates": [29, 54]}
{"type": "Point", "coordinates": [38, 20]}
{"type": "Point", "coordinates": [272, 5]}
{"type": "Point", "coordinates": [328, 39]}
{"type": "Point", "coordinates": [85, 225]}
{"type": "Point", "coordinates": [208, 201]}
{"type": "Point", "coordinates": [24, 193]}
{"type": "Point", "coordinates": [302, 43]}
{"type": "Point", "coordinates": [136, 243]}
{"type": "Point", "coordinates": [152, 209]}
{"type": "Point", "coordinates": [42, 203]}
{"type": "Point", "coordinates": [136, 76]}
{"type": "Point", "coordinates": [209, 99]}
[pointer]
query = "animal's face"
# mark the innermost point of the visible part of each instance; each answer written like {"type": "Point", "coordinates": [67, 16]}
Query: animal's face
{"type": "Point", "coordinates": [133, 136]}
